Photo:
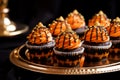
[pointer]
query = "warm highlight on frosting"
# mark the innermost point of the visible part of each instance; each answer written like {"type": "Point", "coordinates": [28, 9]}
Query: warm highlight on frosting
{"type": "Point", "coordinates": [97, 34]}
{"type": "Point", "coordinates": [75, 19]}
{"type": "Point", "coordinates": [68, 40]}
{"type": "Point", "coordinates": [114, 28]}
{"type": "Point", "coordinates": [39, 35]}
{"type": "Point", "coordinates": [58, 26]}
{"type": "Point", "coordinates": [101, 18]}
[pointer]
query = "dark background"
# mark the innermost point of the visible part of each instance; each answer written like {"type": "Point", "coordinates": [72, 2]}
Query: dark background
{"type": "Point", "coordinates": [30, 12]}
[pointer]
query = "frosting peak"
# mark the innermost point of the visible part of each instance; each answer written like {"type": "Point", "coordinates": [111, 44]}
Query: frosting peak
{"type": "Point", "coordinates": [39, 35]}
{"type": "Point", "coordinates": [68, 40]}
{"type": "Point", "coordinates": [114, 28]}
{"type": "Point", "coordinates": [58, 26]}
{"type": "Point", "coordinates": [75, 12]}
{"type": "Point", "coordinates": [117, 19]}
{"type": "Point", "coordinates": [40, 25]}
{"type": "Point", "coordinates": [96, 34]}
{"type": "Point", "coordinates": [75, 19]}
{"type": "Point", "coordinates": [101, 13]}
{"type": "Point", "coordinates": [60, 18]}
{"type": "Point", "coordinates": [100, 17]}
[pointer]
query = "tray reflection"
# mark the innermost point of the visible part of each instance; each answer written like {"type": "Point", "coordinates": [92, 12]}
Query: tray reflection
{"type": "Point", "coordinates": [18, 57]}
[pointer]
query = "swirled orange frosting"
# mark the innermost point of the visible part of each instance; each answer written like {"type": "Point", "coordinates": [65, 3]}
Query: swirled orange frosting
{"type": "Point", "coordinates": [97, 34]}
{"type": "Point", "coordinates": [114, 28]}
{"type": "Point", "coordinates": [39, 35]}
{"type": "Point", "coordinates": [68, 40]}
{"type": "Point", "coordinates": [75, 19]}
{"type": "Point", "coordinates": [101, 18]}
{"type": "Point", "coordinates": [58, 26]}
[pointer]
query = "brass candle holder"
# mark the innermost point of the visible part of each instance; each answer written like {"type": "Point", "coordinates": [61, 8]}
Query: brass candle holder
{"type": "Point", "coordinates": [8, 27]}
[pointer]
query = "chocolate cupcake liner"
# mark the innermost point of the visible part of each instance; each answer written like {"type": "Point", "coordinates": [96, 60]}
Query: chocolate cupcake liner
{"type": "Point", "coordinates": [82, 41]}
{"type": "Point", "coordinates": [115, 45]}
{"type": "Point", "coordinates": [69, 61]}
{"type": "Point", "coordinates": [44, 46]}
{"type": "Point", "coordinates": [115, 48]}
{"type": "Point", "coordinates": [96, 54]}
{"type": "Point", "coordinates": [40, 56]}
{"type": "Point", "coordinates": [81, 30]}
{"type": "Point", "coordinates": [115, 41]}
{"type": "Point", "coordinates": [114, 51]}
{"type": "Point", "coordinates": [74, 52]}
{"type": "Point", "coordinates": [98, 47]}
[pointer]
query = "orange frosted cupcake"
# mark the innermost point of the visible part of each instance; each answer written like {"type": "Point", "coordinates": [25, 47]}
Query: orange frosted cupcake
{"type": "Point", "coordinates": [100, 17]}
{"type": "Point", "coordinates": [96, 43]}
{"type": "Point", "coordinates": [40, 44]}
{"type": "Point", "coordinates": [114, 32]}
{"type": "Point", "coordinates": [68, 51]}
{"type": "Point", "coordinates": [57, 26]}
{"type": "Point", "coordinates": [77, 22]}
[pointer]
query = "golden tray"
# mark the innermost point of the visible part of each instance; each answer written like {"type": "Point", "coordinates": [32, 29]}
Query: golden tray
{"type": "Point", "coordinates": [18, 58]}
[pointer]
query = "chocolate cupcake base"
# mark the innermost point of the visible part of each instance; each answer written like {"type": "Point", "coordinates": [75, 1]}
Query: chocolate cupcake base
{"type": "Point", "coordinates": [72, 58]}
{"type": "Point", "coordinates": [97, 52]}
{"type": "Point", "coordinates": [115, 48]}
{"type": "Point", "coordinates": [81, 32]}
{"type": "Point", "coordinates": [40, 54]}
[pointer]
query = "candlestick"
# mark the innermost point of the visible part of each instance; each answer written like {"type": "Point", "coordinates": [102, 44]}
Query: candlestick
{"type": "Point", "coordinates": [8, 27]}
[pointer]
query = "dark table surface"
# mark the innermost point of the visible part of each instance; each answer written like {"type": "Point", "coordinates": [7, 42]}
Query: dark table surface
{"type": "Point", "coordinates": [8, 71]}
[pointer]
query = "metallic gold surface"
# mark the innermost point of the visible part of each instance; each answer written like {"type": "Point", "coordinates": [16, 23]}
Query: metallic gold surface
{"type": "Point", "coordinates": [20, 28]}
{"type": "Point", "coordinates": [18, 58]}
{"type": "Point", "coordinates": [8, 27]}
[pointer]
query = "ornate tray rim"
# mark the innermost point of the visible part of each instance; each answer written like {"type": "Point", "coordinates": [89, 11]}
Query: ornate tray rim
{"type": "Point", "coordinates": [17, 60]}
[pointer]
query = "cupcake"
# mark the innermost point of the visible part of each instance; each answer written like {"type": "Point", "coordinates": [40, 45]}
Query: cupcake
{"type": "Point", "coordinates": [77, 22]}
{"type": "Point", "coordinates": [97, 63]}
{"type": "Point", "coordinates": [68, 51]}
{"type": "Point", "coordinates": [96, 43]}
{"type": "Point", "coordinates": [114, 33]}
{"type": "Point", "coordinates": [100, 17]}
{"type": "Point", "coordinates": [57, 26]}
{"type": "Point", "coordinates": [40, 44]}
